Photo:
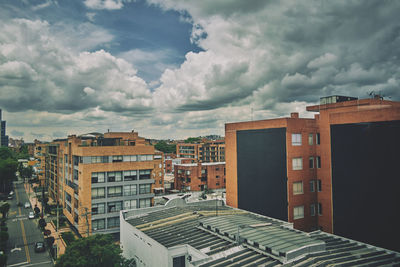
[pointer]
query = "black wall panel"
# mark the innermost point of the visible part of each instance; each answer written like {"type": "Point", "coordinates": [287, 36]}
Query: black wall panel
{"type": "Point", "coordinates": [261, 167]}
{"type": "Point", "coordinates": [366, 182]}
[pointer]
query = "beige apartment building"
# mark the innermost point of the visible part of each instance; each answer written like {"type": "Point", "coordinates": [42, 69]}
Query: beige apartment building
{"type": "Point", "coordinates": [207, 151]}
{"type": "Point", "coordinates": [95, 176]}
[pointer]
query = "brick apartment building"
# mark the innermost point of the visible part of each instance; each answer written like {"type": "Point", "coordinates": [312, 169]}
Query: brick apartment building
{"type": "Point", "coordinates": [40, 156]}
{"type": "Point", "coordinates": [200, 176]}
{"type": "Point", "coordinates": [207, 151]}
{"type": "Point", "coordinates": [96, 176]}
{"type": "Point", "coordinates": [336, 172]}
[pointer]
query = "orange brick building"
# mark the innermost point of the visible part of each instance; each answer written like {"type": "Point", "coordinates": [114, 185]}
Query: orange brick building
{"type": "Point", "coordinates": [207, 151]}
{"type": "Point", "coordinates": [40, 156]}
{"type": "Point", "coordinates": [199, 176]}
{"type": "Point", "coordinates": [332, 172]}
{"type": "Point", "coordinates": [96, 176]}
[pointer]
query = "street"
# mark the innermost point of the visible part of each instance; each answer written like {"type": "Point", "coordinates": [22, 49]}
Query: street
{"type": "Point", "coordinates": [23, 233]}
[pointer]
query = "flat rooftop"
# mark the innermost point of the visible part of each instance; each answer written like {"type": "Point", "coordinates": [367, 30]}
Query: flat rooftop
{"type": "Point", "coordinates": [234, 237]}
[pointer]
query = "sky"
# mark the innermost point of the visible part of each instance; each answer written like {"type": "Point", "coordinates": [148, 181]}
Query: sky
{"type": "Point", "coordinates": [180, 68]}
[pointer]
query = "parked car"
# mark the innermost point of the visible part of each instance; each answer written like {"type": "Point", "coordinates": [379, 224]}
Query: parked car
{"type": "Point", "coordinates": [27, 205]}
{"type": "Point", "coordinates": [31, 215]}
{"type": "Point", "coordinates": [39, 247]}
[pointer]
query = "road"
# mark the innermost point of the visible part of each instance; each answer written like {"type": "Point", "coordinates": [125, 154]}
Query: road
{"type": "Point", "coordinates": [23, 234]}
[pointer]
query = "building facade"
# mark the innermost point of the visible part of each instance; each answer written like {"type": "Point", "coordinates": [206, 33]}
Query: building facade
{"type": "Point", "coordinates": [208, 151]}
{"type": "Point", "coordinates": [95, 176]}
{"type": "Point", "coordinates": [40, 156]}
{"type": "Point", "coordinates": [333, 172]}
{"type": "Point", "coordinates": [200, 176]}
{"type": "Point", "coordinates": [3, 136]}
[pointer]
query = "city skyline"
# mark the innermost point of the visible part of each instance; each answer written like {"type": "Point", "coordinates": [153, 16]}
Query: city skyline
{"type": "Point", "coordinates": [173, 69]}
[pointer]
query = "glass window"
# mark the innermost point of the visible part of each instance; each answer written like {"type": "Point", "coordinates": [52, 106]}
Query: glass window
{"type": "Point", "coordinates": [144, 189]}
{"type": "Point", "coordinates": [130, 190]}
{"type": "Point", "coordinates": [130, 204]}
{"type": "Point", "coordinates": [319, 209]}
{"type": "Point", "coordinates": [312, 209]}
{"type": "Point", "coordinates": [114, 191]}
{"type": "Point", "coordinates": [113, 222]}
{"type": "Point", "coordinates": [297, 163]}
{"type": "Point", "coordinates": [310, 139]}
{"type": "Point", "coordinates": [318, 159]}
{"type": "Point", "coordinates": [312, 186]}
{"type": "Point", "coordinates": [114, 176]}
{"type": "Point", "coordinates": [130, 175]}
{"type": "Point", "coordinates": [114, 206]}
{"type": "Point", "coordinates": [319, 185]}
{"type": "Point", "coordinates": [144, 174]}
{"type": "Point", "coordinates": [98, 224]}
{"type": "Point", "coordinates": [98, 208]}
{"type": "Point", "coordinates": [311, 162]}
{"type": "Point", "coordinates": [98, 192]}
{"type": "Point", "coordinates": [98, 177]}
{"type": "Point", "coordinates": [318, 139]}
{"type": "Point", "coordinates": [298, 188]}
{"type": "Point", "coordinates": [117, 158]}
{"type": "Point", "coordinates": [296, 139]}
{"type": "Point", "coordinates": [145, 203]}
{"type": "Point", "coordinates": [298, 212]}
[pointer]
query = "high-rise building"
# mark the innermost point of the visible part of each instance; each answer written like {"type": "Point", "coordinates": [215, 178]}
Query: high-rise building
{"type": "Point", "coordinates": [207, 151]}
{"type": "Point", "coordinates": [3, 136]}
{"type": "Point", "coordinates": [95, 176]}
{"type": "Point", "coordinates": [336, 172]}
{"type": "Point", "coordinates": [199, 176]}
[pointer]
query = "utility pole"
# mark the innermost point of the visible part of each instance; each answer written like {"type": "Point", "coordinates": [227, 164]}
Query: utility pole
{"type": "Point", "coordinates": [87, 219]}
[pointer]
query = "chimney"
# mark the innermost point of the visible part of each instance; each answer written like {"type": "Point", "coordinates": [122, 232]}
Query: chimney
{"type": "Point", "coordinates": [294, 115]}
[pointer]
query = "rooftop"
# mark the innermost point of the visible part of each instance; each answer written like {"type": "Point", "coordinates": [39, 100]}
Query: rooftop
{"type": "Point", "coordinates": [234, 237]}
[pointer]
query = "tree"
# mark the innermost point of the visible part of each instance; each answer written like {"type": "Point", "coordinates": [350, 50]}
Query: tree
{"type": "Point", "coordinates": [42, 223]}
{"type": "Point", "coordinates": [26, 172]}
{"type": "Point", "coordinates": [193, 140]}
{"type": "Point", "coordinates": [166, 148]}
{"type": "Point", "coordinates": [93, 251]}
{"type": "Point", "coordinates": [4, 208]}
{"type": "Point", "coordinates": [8, 167]}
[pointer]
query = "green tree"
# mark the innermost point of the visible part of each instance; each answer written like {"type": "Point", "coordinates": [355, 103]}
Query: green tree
{"type": "Point", "coordinates": [3, 259]}
{"type": "Point", "coordinates": [26, 172]}
{"type": "Point", "coordinates": [23, 152]}
{"type": "Point", "coordinates": [166, 148]}
{"type": "Point", "coordinates": [6, 153]}
{"type": "Point", "coordinates": [4, 236]}
{"type": "Point", "coordinates": [93, 251]}
{"type": "Point", "coordinates": [193, 140]}
{"type": "Point", "coordinates": [8, 167]}
{"type": "Point", "coordinates": [4, 208]}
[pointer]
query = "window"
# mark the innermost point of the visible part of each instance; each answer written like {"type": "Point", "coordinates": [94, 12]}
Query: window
{"type": "Point", "coordinates": [296, 139]}
{"type": "Point", "coordinates": [127, 158]}
{"type": "Point", "coordinates": [130, 204]}
{"type": "Point", "coordinates": [98, 192]}
{"type": "Point", "coordinates": [98, 208]}
{"type": "Point", "coordinates": [98, 224]}
{"type": "Point", "coordinates": [298, 212]}
{"type": "Point", "coordinates": [319, 185]}
{"type": "Point", "coordinates": [144, 188]}
{"type": "Point", "coordinates": [76, 174]}
{"type": "Point", "coordinates": [117, 158]}
{"type": "Point", "coordinates": [114, 206]}
{"type": "Point", "coordinates": [187, 172]}
{"type": "Point", "coordinates": [318, 159]}
{"type": "Point", "coordinates": [130, 190]}
{"type": "Point", "coordinates": [311, 162]}
{"type": "Point", "coordinates": [99, 159]}
{"type": "Point", "coordinates": [297, 163]}
{"type": "Point", "coordinates": [318, 139]}
{"type": "Point", "coordinates": [144, 203]}
{"type": "Point", "coordinates": [98, 177]}
{"type": "Point", "coordinates": [312, 209]}
{"type": "Point", "coordinates": [297, 188]}
{"type": "Point", "coordinates": [145, 157]}
{"type": "Point", "coordinates": [144, 174]}
{"type": "Point", "coordinates": [217, 176]}
{"type": "Point", "coordinates": [113, 222]}
{"type": "Point", "coordinates": [130, 175]}
{"type": "Point", "coordinates": [114, 191]}
{"type": "Point", "coordinates": [188, 180]}
{"type": "Point", "coordinates": [114, 176]}
{"type": "Point", "coordinates": [310, 139]}
{"type": "Point", "coordinates": [217, 183]}
{"type": "Point", "coordinates": [319, 209]}
{"type": "Point", "coordinates": [312, 186]}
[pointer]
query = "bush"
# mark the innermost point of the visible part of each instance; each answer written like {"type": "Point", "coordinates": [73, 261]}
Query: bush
{"type": "Point", "coordinates": [3, 245]}
{"type": "Point", "coordinates": [3, 236]}
{"type": "Point", "coordinates": [3, 222]}
{"type": "Point", "coordinates": [4, 228]}
{"type": "Point", "coordinates": [3, 259]}
{"type": "Point", "coordinates": [68, 237]}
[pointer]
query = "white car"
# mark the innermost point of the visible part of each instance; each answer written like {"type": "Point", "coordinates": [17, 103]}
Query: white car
{"type": "Point", "coordinates": [27, 205]}
{"type": "Point", "coordinates": [31, 215]}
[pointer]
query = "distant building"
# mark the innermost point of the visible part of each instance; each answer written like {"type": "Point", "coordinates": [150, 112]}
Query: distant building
{"type": "Point", "coordinates": [336, 172]}
{"type": "Point", "coordinates": [206, 151]}
{"type": "Point", "coordinates": [199, 176]}
{"type": "Point", "coordinates": [208, 234]}
{"type": "Point", "coordinates": [95, 176]}
{"type": "Point", "coordinates": [3, 136]}
{"type": "Point", "coordinates": [40, 156]}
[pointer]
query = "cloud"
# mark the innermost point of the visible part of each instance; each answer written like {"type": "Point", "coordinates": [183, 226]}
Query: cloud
{"type": "Point", "coordinates": [58, 134]}
{"type": "Point", "coordinates": [104, 4]}
{"type": "Point", "coordinates": [17, 133]}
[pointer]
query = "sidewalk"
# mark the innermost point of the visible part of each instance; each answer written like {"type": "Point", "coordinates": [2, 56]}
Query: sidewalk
{"type": "Point", "coordinates": [50, 226]}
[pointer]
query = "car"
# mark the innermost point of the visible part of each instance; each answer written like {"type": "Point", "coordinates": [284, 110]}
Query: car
{"type": "Point", "coordinates": [39, 247]}
{"type": "Point", "coordinates": [31, 215]}
{"type": "Point", "coordinates": [11, 193]}
{"type": "Point", "coordinates": [27, 205]}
